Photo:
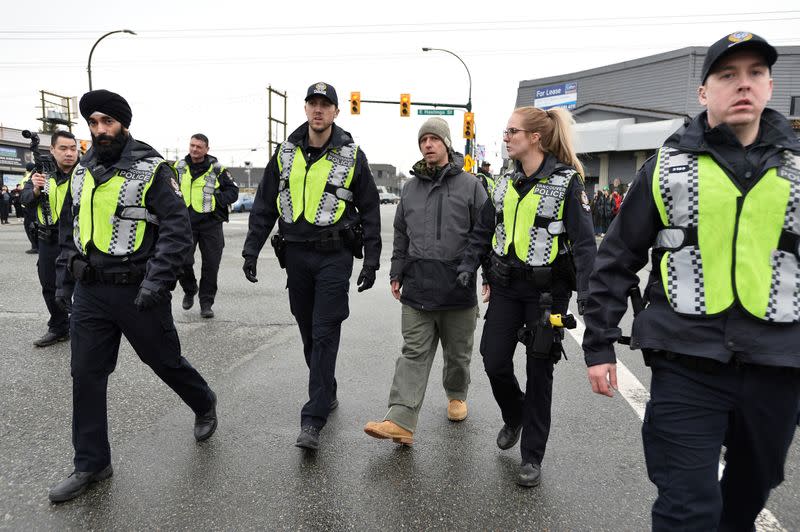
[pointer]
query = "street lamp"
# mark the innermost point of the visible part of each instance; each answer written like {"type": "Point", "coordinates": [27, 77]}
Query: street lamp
{"type": "Point", "coordinates": [469, 99]}
{"type": "Point", "coordinates": [468, 146]}
{"type": "Point", "coordinates": [89, 66]}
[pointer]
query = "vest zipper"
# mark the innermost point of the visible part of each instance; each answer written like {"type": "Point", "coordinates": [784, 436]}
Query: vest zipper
{"type": "Point", "coordinates": [439, 219]}
{"type": "Point", "coordinates": [514, 227]}
{"type": "Point", "coordinates": [91, 212]}
{"type": "Point", "coordinates": [739, 205]}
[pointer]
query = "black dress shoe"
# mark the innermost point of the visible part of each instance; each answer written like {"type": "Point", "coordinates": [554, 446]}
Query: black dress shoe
{"type": "Point", "coordinates": [76, 483]}
{"type": "Point", "coordinates": [308, 438]}
{"type": "Point", "coordinates": [205, 425]}
{"type": "Point", "coordinates": [32, 251]}
{"type": "Point", "coordinates": [530, 475]}
{"type": "Point", "coordinates": [188, 301]}
{"type": "Point", "coordinates": [508, 436]}
{"type": "Point", "coordinates": [51, 338]}
{"type": "Point", "coordinates": [206, 312]}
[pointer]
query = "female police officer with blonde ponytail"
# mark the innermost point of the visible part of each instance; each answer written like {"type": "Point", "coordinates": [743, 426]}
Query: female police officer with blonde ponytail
{"type": "Point", "coordinates": [532, 225]}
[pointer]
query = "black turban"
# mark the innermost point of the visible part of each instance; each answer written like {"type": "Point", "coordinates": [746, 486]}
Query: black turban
{"type": "Point", "coordinates": [107, 102]}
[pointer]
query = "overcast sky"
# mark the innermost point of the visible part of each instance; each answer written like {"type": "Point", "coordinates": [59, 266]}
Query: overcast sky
{"type": "Point", "coordinates": [204, 66]}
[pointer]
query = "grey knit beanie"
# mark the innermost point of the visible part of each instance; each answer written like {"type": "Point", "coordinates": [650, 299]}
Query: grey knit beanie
{"type": "Point", "coordinates": [436, 126]}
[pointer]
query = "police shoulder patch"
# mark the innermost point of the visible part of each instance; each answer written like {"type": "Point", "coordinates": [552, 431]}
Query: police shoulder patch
{"type": "Point", "coordinates": [175, 187]}
{"type": "Point", "coordinates": [585, 201]}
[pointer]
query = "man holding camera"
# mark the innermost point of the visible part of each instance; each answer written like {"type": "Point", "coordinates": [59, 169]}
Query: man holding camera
{"type": "Point", "coordinates": [44, 194]}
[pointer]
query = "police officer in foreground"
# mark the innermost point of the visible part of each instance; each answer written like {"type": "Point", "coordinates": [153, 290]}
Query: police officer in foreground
{"type": "Point", "coordinates": [124, 232]}
{"type": "Point", "coordinates": [207, 189]}
{"type": "Point", "coordinates": [719, 206]}
{"type": "Point", "coordinates": [44, 195]}
{"type": "Point", "coordinates": [536, 219]}
{"type": "Point", "coordinates": [319, 187]}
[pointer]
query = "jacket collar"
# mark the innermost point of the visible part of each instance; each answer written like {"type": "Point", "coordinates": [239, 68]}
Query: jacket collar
{"type": "Point", "coordinates": [132, 152]}
{"type": "Point", "coordinates": [339, 137]}
{"type": "Point", "coordinates": [774, 130]}
{"type": "Point", "coordinates": [453, 167]}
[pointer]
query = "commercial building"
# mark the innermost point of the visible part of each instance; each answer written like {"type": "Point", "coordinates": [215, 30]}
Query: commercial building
{"type": "Point", "coordinates": [625, 111]}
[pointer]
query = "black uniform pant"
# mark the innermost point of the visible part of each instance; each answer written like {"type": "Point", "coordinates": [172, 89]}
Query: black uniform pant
{"type": "Point", "coordinates": [211, 241]}
{"type": "Point", "coordinates": [318, 283]}
{"type": "Point", "coordinates": [511, 307]}
{"type": "Point", "coordinates": [30, 226]}
{"type": "Point", "coordinates": [101, 313]}
{"type": "Point", "coordinates": [751, 410]}
{"type": "Point", "coordinates": [46, 266]}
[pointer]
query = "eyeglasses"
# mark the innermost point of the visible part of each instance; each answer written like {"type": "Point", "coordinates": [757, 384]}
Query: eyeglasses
{"type": "Point", "coordinates": [510, 132]}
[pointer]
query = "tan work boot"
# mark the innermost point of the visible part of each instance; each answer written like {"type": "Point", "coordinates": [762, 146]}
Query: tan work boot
{"type": "Point", "coordinates": [389, 430]}
{"type": "Point", "coordinates": [456, 410]}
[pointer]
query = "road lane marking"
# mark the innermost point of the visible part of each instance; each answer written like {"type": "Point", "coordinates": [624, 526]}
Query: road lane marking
{"type": "Point", "coordinates": [637, 396]}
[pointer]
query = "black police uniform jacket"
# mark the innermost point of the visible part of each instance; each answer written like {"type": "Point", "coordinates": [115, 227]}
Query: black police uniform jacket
{"type": "Point", "coordinates": [164, 246]}
{"type": "Point", "coordinates": [226, 194]}
{"type": "Point", "coordinates": [577, 221]}
{"type": "Point", "coordinates": [364, 209]}
{"type": "Point", "coordinates": [624, 251]}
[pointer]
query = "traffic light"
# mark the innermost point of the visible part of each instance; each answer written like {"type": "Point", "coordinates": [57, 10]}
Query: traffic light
{"type": "Point", "coordinates": [355, 103]}
{"type": "Point", "coordinates": [469, 125]}
{"type": "Point", "coordinates": [405, 104]}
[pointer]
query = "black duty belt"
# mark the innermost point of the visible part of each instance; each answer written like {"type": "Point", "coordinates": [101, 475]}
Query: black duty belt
{"type": "Point", "coordinates": [86, 273]}
{"type": "Point", "coordinates": [541, 276]}
{"type": "Point", "coordinates": [709, 365]}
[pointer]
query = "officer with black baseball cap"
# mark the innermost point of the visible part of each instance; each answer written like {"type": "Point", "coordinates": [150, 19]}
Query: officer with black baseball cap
{"type": "Point", "coordinates": [717, 206]}
{"type": "Point", "coordinates": [319, 188]}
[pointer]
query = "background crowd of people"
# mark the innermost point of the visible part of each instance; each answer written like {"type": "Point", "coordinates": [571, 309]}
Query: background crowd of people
{"type": "Point", "coordinates": [605, 205]}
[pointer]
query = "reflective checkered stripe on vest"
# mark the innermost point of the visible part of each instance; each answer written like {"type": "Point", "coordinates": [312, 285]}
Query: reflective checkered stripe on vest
{"type": "Point", "coordinates": [319, 195]}
{"type": "Point", "coordinates": [47, 212]}
{"type": "Point", "coordinates": [534, 222]}
{"type": "Point", "coordinates": [112, 215]}
{"type": "Point", "coordinates": [199, 193]}
{"type": "Point", "coordinates": [722, 245]}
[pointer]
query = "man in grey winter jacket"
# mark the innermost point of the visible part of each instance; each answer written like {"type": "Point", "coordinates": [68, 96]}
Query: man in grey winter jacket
{"type": "Point", "coordinates": [435, 215]}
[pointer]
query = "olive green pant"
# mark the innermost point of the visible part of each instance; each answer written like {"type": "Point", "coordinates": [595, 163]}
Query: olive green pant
{"type": "Point", "coordinates": [422, 330]}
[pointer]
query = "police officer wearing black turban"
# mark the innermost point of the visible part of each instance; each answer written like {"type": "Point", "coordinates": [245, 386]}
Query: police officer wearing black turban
{"type": "Point", "coordinates": [124, 233]}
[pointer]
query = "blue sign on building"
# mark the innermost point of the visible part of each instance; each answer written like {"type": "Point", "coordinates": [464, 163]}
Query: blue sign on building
{"type": "Point", "coordinates": [562, 95]}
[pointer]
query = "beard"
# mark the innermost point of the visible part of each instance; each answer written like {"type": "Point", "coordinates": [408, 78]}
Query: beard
{"type": "Point", "coordinates": [107, 154]}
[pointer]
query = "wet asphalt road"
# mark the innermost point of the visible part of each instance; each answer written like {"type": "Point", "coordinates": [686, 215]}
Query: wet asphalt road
{"type": "Point", "coordinates": [249, 475]}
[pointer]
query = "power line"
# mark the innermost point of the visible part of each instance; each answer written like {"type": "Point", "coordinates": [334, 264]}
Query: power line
{"type": "Point", "coordinates": [422, 27]}
{"type": "Point", "coordinates": [384, 57]}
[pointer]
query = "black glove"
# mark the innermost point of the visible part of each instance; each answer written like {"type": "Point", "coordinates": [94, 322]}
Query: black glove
{"type": "Point", "coordinates": [465, 279]}
{"type": "Point", "coordinates": [147, 299]}
{"type": "Point", "coordinates": [249, 268]}
{"type": "Point", "coordinates": [581, 306]}
{"type": "Point", "coordinates": [64, 302]}
{"type": "Point", "coordinates": [366, 278]}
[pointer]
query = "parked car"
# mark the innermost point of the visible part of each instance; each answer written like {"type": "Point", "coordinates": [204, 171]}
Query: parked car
{"type": "Point", "coordinates": [388, 197]}
{"type": "Point", "coordinates": [243, 203]}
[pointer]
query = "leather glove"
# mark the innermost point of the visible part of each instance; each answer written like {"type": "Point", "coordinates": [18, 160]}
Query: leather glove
{"type": "Point", "coordinates": [366, 278]}
{"type": "Point", "coordinates": [249, 268]}
{"type": "Point", "coordinates": [465, 279]}
{"type": "Point", "coordinates": [64, 303]}
{"type": "Point", "coordinates": [147, 299]}
{"type": "Point", "coordinates": [581, 306]}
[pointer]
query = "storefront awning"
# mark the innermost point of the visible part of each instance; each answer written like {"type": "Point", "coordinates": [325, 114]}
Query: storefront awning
{"type": "Point", "coordinates": [623, 134]}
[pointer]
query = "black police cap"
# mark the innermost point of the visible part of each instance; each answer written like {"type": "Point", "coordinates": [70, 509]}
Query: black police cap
{"type": "Point", "coordinates": [737, 41]}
